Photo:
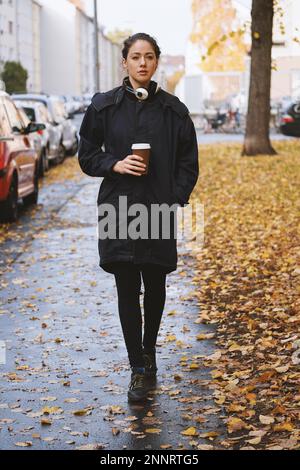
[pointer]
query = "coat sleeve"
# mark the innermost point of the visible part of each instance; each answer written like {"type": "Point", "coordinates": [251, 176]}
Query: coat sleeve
{"type": "Point", "coordinates": [92, 160]}
{"type": "Point", "coordinates": [187, 165]}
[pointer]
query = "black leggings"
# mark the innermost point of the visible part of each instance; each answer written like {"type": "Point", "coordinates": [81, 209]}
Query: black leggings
{"type": "Point", "coordinates": [128, 283]}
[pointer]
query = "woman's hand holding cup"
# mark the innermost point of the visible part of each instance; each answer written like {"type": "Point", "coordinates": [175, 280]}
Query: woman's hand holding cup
{"type": "Point", "coordinates": [131, 165]}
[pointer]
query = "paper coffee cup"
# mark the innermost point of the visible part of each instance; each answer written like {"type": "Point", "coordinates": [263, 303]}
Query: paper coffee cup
{"type": "Point", "coordinates": [143, 150]}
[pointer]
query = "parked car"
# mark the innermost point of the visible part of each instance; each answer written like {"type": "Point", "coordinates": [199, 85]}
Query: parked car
{"type": "Point", "coordinates": [18, 160]}
{"type": "Point", "coordinates": [80, 104]}
{"type": "Point", "coordinates": [73, 104]}
{"type": "Point", "coordinates": [37, 112]}
{"type": "Point", "coordinates": [56, 107]}
{"type": "Point", "coordinates": [290, 120]}
{"type": "Point", "coordinates": [35, 139]}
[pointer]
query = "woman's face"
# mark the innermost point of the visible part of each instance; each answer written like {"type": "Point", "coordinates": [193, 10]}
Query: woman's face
{"type": "Point", "coordinates": [141, 63]}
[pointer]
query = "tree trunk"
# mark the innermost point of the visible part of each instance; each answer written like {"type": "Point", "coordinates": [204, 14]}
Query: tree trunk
{"type": "Point", "coordinates": [257, 140]}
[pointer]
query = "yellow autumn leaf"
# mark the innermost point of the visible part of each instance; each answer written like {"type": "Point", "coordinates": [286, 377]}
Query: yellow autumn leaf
{"type": "Point", "coordinates": [235, 408]}
{"type": "Point", "coordinates": [82, 412]}
{"type": "Point", "coordinates": [23, 444]}
{"type": "Point", "coordinates": [170, 338]}
{"type": "Point", "coordinates": [220, 400]}
{"type": "Point", "coordinates": [204, 336]}
{"type": "Point", "coordinates": [52, 410]}
{"type": "Point", "coordinates": [190, 432]}
{"type": "Point", "coordinates": [172, 312]}
{"type": "Point", "coordinates": [205, 447]}
{"type": "Point", "coordinates": [282, 369]}
{"type": "Point", "coordinates": [234, 347]}
{"type": "Point", "coordinates": [209, 435]}
{"type": "Point", "coordinates": [283, 427]}
{"type": "Point", "coordinates": [251, 397]}
{"type": "Point", "coordinates": [115, 409]}
{"type": "Point", "coordinates": [235, 424]}
{"type": "Point", "coordinates": [183, 358]}
{"type": "Point", "coordinates": [216, 374]}
{"type": "Point", "coordinates": [255, 440]}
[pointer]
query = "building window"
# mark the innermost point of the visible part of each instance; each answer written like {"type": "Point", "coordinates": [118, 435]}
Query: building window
{"type": "Point", "coordinates": [10, 27]}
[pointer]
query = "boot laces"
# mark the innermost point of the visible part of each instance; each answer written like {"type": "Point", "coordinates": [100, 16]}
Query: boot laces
{"type": "Point", "coordinates": [137, 381]}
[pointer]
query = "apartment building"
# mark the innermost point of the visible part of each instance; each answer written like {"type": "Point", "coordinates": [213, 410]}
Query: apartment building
{"type": "Point", "coordinates": [54, 41]}
{"type": "Point", "coordinates": [20, 37]}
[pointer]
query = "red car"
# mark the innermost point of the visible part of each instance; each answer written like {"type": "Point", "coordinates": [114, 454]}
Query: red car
{"type": "Point", "coordinates": [18, 160]}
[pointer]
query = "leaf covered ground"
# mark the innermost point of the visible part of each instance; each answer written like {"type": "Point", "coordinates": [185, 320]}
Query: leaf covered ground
{"type": "Point", "coordinates": [249, 287]}
{"type": "Point", "coordinates": [246, 282]}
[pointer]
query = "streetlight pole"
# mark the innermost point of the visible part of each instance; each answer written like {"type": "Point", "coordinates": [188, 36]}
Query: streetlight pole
{"type": "Point", "coordinates": [96, 48]}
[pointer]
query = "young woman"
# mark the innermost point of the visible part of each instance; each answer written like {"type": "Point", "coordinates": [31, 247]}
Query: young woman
{"type": "Point", "coordinates": [139, 111]}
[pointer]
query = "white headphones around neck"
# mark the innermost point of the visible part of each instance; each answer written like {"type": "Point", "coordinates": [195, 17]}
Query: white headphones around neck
{"type": "Point", "coordinates": [141, 93]}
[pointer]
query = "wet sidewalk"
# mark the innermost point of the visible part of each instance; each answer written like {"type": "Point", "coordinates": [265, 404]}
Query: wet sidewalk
{"type": "Point", "coordinates": [64, 384]}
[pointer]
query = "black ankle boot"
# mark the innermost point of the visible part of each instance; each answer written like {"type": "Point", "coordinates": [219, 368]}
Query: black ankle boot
{"type": "Point", "coordinates": [150, 362]}
{"type": "Point", "coordinates": [137, 388]}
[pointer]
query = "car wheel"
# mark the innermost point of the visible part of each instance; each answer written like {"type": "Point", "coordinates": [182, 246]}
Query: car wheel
{"type": "Point", "coordinates": [60, 154]}
{"type": "Point", "coordinates": [43, 163]}
{"type": "Point", "coordinates": [74, 149]}
{"type": "Point", "coordinates": [33, 197]}
{"type": "Point", "coordinates": [10, 206]}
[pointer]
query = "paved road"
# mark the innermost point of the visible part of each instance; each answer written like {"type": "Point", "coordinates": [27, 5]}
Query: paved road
{"type": "Point", "coordinates": [64, 346]}
{"type": "Point", "coordinates": [222, 138]}
{"type": "Point", "coordinates": [210, 138]}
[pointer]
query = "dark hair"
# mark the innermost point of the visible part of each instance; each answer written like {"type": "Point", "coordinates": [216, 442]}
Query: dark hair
{"type": "Point", "coordinates": [139, 36]}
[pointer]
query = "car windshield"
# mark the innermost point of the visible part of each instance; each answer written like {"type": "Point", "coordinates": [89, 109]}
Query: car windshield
{"type": "Point", "coordinates": [30, 113]}
{"type": "Point", "coordinates": [24, 117]}
{"type": "Point", "coordinates": [43, 114]}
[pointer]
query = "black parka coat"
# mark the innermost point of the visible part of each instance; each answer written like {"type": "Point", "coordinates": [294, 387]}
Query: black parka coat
{"type": "Point", "coordinates": [112, 123]}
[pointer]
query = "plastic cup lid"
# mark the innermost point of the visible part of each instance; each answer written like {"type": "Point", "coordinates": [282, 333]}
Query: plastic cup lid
{"type": "Point", "coordinates": [140, 146]}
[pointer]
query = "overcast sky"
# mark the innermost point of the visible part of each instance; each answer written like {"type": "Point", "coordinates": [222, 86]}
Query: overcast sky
{"type": "Point", "coordinates": [169, 21]}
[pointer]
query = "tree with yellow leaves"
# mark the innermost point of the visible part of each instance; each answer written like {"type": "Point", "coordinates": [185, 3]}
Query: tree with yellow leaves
{"type": "Point", "coordinates": [118, 36]}
{"type": "Point", "coordinates": [219, 36]}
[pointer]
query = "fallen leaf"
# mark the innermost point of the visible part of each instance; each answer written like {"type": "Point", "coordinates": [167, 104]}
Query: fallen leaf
{"type": "Point", "coordinates": [266, 419]}
{"type": "Point", "coordinates": [283, 427]}
{"type": "Point", "coordinates": [190, 432]}
{"type": "Point", "coordinates": [153, 431]}
{"type": "Point", "coordinates": [235, 424]}
{"type": "Point", "coordinates": [23, 444]}
{"type": "Point", "coordinates": [45, 421]}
